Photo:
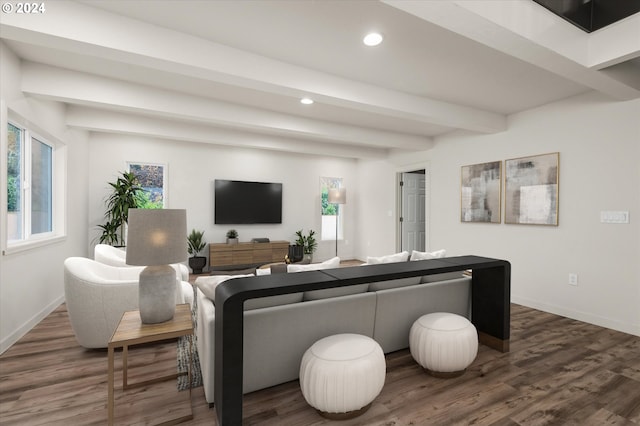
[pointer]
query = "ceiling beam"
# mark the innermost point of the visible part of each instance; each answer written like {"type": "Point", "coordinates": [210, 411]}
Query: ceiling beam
{"type": "Point", "coordinates": [70, 27]}
{"type": "Point", "coordinates": [99, 92]}
{"type": "Point", "coordinates": [115, 122]}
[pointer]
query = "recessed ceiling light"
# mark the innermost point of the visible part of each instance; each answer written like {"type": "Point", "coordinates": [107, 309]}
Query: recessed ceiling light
{"type": "Point", "coordinates": [306, 101]}
{"type": "Point", "coordinates": [372, 39]}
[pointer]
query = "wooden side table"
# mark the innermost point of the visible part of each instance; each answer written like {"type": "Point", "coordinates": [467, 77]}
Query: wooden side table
{"type": "Point", "coordinates": [131, 331]}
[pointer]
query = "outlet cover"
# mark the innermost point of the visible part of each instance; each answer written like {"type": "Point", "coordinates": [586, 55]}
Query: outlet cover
{"type": "Point", "coordinates": [573, 279]}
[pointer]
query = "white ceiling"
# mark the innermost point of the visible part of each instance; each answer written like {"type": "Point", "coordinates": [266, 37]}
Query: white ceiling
{"type": "Point", "coordinates": [232, 72]}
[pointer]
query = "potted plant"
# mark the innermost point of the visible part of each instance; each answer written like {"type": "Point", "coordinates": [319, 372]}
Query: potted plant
{"type": "Point", "coordinates": [232, 236]}
{"type": "Point", "coordinates": [308, 243]}
{"type": "Point", "coordinates": [126, 194]}
{"type": "Point", "coordinates": [195, 246]}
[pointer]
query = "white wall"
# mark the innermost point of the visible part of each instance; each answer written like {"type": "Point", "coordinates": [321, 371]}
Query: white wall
{"type": "Point", "coordinates": [378, 203]}
{"type": "Point", "coordinates": [598, 141]}
{"type": "Point", "coordinates": [599, 145]}
{"type": "Point", "coordinates": [31, 281]}
{"type": "Point", "coordinates": [192, 168]}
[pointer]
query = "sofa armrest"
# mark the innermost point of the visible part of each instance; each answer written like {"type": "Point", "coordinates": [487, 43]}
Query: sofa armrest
{"type": "Point", "coordinates": [185, 293]}
{"type": "Point", "coordinates": [96, 308]}
{"type": "Point", "coordinates": [205, 338]}
{"type": "Point", "coordinates": [182, 272]}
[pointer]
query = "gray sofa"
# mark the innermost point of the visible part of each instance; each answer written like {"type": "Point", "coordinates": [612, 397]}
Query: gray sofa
{"type": "Point", "coordinates": [279, 329]}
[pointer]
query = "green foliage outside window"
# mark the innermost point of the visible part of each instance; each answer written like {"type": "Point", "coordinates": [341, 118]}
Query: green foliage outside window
{"type": "Point", "coordinates": [325, 184]}
{"type": "Point", "coordinates": [13, 194]}
{"type": "Point", "coordinates": [327, 209]}
{"type": "Point", "coordinates": [13, 168]}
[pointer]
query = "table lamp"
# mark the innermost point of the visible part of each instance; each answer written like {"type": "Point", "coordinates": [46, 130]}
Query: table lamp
{"type": "Point", "coordinates": [337, 196]}
{"type": "Point", "coordinates": [156, 238]}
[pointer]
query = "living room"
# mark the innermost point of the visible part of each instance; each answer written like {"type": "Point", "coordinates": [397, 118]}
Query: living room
{"type": "Point", "coordinates": [596, 134]}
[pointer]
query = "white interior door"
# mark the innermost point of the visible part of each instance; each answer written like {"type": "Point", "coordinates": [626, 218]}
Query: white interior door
{"type": "Point", "coordinates": [412, 219]}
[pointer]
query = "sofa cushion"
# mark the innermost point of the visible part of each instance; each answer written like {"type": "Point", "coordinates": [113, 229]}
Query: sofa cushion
{"type": "Point", "coordinates": [390, 258]}
{"type": "Point", "coordinates": [269, 301]}
{"type": "Point", "coordinates": [208, 286]}
{"type": "Point", "coordinates": [330, 292]}
{"type": "Point", "coordinates": [335, 292]}
{"type": "Point", "coordinates": [401, 282]}
{"type": "Point", "coordinates": [425, 255]}
{"type": "Point", "coordinates": [398, 308]}
{"type": "Point", "coordinates": [272, 268]}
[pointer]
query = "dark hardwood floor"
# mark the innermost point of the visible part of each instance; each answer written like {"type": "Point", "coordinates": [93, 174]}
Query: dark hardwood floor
{"type": "Point", "coordinates": [559, 372]}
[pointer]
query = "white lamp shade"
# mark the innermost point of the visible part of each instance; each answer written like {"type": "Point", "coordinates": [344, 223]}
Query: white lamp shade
{"type": "Point", "coordinates": [337, 196]}
{"type": "Point", "coordinates": [156, 236]}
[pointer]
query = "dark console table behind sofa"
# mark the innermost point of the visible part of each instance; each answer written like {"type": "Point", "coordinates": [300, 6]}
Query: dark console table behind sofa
{"type": "Point", "coordinates": [490, 310]}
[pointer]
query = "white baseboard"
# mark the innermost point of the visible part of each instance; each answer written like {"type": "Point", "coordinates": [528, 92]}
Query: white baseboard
{"type": "Point", "coordinates": [577, 315]}
{"type": "Point", "coordinates": [8, 341]}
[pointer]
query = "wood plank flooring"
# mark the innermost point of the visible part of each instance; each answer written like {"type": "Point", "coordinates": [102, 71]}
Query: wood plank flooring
{"type": "Point", "coordinates": [559, 372]}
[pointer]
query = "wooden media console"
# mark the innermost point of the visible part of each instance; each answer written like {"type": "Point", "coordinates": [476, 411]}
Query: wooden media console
{"type": "Point", "coordinates": [224, 256]}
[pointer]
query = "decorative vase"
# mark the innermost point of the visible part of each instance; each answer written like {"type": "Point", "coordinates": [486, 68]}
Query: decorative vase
{"type": "Point", "coordinates": [157, 294]}
{"type": "Point", "coordinates": [308, 258]}
{"type": "Point", "coordinates": [296, 253]}
{"type": "Point", "coordinates": [232, 241]}
{"type": "Point", "coordinates": [197, 263]}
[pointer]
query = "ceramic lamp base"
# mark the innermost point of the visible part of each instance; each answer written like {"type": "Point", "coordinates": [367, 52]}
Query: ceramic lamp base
{"type": "Point", "coordinates": [157, 294]}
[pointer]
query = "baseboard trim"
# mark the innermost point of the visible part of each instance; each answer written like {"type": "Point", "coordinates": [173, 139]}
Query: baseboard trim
{"type": "Point", "coordinates": [8, 341]}
{"type": "Point", "coordinates": [613, 324]}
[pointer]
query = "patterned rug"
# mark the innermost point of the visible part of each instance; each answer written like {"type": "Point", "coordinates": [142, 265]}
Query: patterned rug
{"type": "Point", "coordinates": [183, 354]}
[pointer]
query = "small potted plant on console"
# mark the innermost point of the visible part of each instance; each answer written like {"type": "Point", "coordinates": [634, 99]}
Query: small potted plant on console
{"type": "Point", "coordinates": [232, 236]}
{"type": "Point", "coordinates": [195, 246]}
{"type": "Point", "coordinates": [308, 243]}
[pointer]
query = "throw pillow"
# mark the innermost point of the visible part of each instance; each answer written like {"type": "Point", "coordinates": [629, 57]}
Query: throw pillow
{"type": "Point", "coordinates": [425, 255]}
{"type": "Point", "coordinates": [273, 268]}
{"type": "Point", "coordinates": [208, 285]}
{"type": "Point", "coordinates": [327, 264]}
{"type": "Point", "coordinates": [391, 258]}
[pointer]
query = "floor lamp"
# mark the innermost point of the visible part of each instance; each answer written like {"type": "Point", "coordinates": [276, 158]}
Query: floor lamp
{"type": "Point", "coordinates": [337, 196]}
{"type": "Point", "coordinates": [155, 239]}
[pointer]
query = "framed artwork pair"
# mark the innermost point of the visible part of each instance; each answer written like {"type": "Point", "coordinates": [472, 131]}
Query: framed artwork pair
{"type": "Point", "coordinates": [531, 191]}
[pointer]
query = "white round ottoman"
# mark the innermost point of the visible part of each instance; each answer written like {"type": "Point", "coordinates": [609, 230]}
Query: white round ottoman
{"type": "Point", "coordinates": [341, 375]}
{"type": "Point", "coordinates": [444, 344]}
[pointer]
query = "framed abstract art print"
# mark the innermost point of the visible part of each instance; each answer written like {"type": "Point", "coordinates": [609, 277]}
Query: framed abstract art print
{"type": "Point", "coordinates": [531, 189]}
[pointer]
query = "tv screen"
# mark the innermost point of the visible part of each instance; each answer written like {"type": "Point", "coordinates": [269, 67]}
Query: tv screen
{"type": "Point", "coordinates": [240, 202]}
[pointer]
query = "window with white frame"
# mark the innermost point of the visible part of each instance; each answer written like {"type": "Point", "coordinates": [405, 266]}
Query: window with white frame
{"type": "Point", "coordinates": [331, 215]}
{"type": "Point", "coordinates": [35, 211]}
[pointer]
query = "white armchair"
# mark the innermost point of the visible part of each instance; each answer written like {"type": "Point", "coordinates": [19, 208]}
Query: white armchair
{"type": "Point", "coordinates": [97, 295]}
{"type": "Point", "coordinates": [110, 255]}
{"type": "Point", "coordinates": [114, 256]}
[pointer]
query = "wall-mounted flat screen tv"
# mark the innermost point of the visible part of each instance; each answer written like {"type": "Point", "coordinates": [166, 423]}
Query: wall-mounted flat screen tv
{"type": "Point", "coordinates": [241, 202]}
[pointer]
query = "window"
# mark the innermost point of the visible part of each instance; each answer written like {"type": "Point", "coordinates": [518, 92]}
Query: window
{"type": "Point", "coordinates": [151, 178]}
{"type": "Point", "coordinates": [331, 217]}
{"type": "Point", "coordinates": [14, 182]}
{"type": "Point", "coordinates": [32, 187]}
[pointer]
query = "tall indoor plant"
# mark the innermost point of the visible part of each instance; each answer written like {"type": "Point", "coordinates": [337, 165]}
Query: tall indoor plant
{"type": "Point", "coordinates": [195, 245]}
{"type": "Point", "coordinates": [126, 194]}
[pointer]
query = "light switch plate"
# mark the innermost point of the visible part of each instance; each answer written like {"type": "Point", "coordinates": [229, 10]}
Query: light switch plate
{"type": "Point", "coordinates": [614, 217]}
